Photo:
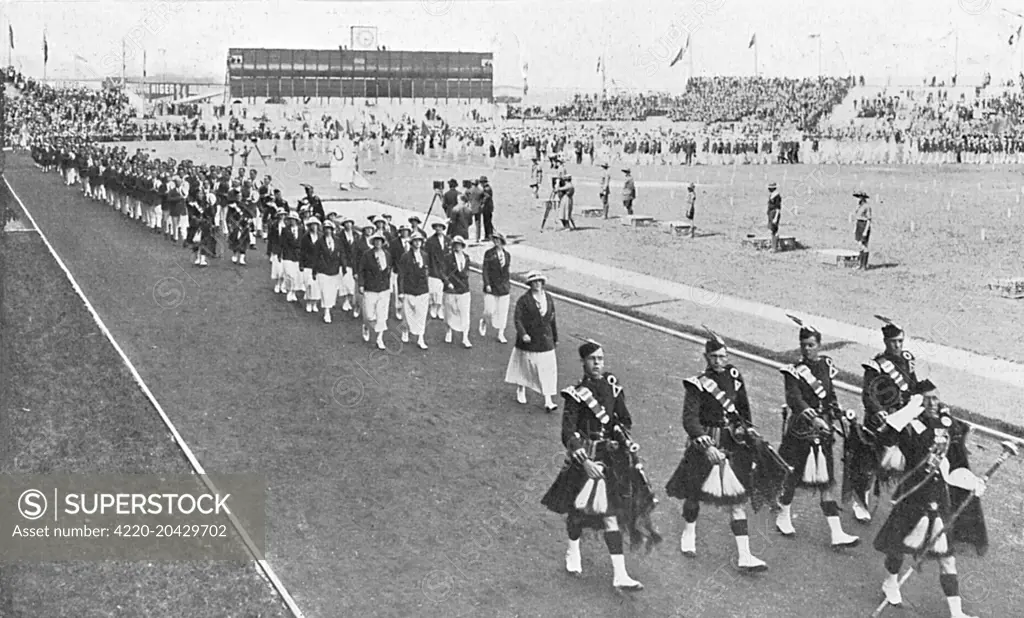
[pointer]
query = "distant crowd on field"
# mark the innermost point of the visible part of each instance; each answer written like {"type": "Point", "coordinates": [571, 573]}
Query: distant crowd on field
{"type": "Point", "coordinates": [717, 121]}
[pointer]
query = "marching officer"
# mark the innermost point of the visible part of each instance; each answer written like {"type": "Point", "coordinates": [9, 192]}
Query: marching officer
{"type": "Point", "coordinates": [594, 486]}
{"type": "Point", "coordinates": [717, 467]}
{"type": "Point", "coordinates": [940, 482]}
{"type": "Point", "coordinates": [889, 382]}
{"type": "Point", "coordinates": [808, 439]}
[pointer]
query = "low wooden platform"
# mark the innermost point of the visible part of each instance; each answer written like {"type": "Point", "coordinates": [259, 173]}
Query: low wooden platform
{"type": "Point", "coordinates": [680, 228]}
{"type": "Point", "coordinates": [842, 258]}
{"type": "Point", "coordinates": [280, 159]}
{"type": "Point", "coordinates": [593, 212]}
{"type": "Point", "coordinates": [764, 243]}
{"type": "Point", "coordinates": [1008, 288]}
{"type": "Point", "coordinates": [309, 163]}
{"type": "Point", "coordinates": [323, 166]}
{"type": "Point", "coordinates": [638, 220]}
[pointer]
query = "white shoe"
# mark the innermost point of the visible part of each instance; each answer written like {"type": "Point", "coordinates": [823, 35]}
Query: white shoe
{"type": "Point", "coordinates": [501, 338]}
{"type": "Point", "coordinates": [327, 316]}
{"type": "Point", "coordinates": [366, 333]}
{"type": "Point", "coordinates": [422, 344]}
{"type": "Point", "coordinates": [521, 395]}
{"type": "Point", "coordinates": [291, 297]}
{"type": "Point", "coordinates": [862, 514]}
{"type": "Point", "coordinates": [380, 342]}
{"type": "Point", "coordinates": [841, 539]}
{"type": "Point", "coordinates": [784, 522]}
{"type": "Point", "coordinates": [448, 337]}
{"type": "Point", "coordinates": [483, 328]}
{"type": "Point", "coordinates": [241, 260]}
{"type": "Point", "coordinates": [405, 337]}
{"type": "Point", "coordinates": [277, 289]}
{"type": "Point", "coordinates": [465, 343]}
{"type": "Point", "coordinates": [627, 583]}
{"type": "Point", "coordinates": [752, 564]}
{"type": "Point", "coordinates": [573, 562]}
{"type": "Point", "coordinates": [346, 306]}
{"type": "Point", "coordinates": [688, 540]}
{"type": "Point", "coordinates": [891, 590]}
{"type": "Point", "coordinates": [234, 259]}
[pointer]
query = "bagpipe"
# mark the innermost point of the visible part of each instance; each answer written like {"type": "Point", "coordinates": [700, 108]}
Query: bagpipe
{"type": "Point", "coordinates": [642, 501]}
{"type": "Point", "coordinates": [769, 470]}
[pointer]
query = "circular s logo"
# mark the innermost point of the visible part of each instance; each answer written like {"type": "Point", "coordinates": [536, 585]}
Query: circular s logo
{"type": "Point", "coordinates": [437, 586]}
{"type": "Point", "coordinates": [974, 7]}
{"type": "Point", "coordinates": [439, 7]}
{"type": "Point", "coordinates": [168, 293]}
{"type": "Point", "coordinates": [32, 504]}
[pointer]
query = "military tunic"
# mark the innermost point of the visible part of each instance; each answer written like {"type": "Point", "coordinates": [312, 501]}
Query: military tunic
{"type": "Point", "coordinates": [810, 394]}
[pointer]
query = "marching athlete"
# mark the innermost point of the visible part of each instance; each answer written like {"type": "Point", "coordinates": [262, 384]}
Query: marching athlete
{"type": "Point", "coordinates": [497, 286]}
{"type": "Point", "coordinates": [456, 292]}
{"type": "Point", "coordinates": [939, 482]}
{"type": "Point", "coordinates": [889, 383]}
{"type": "Point", "coordinates": [307, 255]}
{"type": "Point", "coordinates": [717, 467]}
{"type": "Point", "coordinates": [291, 246]}
{"type": "Point", "coordinates": [808, 439]}
{"type": "Point", "coordinates": [328, 264]}
{"type": "Point", "coordinates": [413, 290]}
{"type": "Point", "coordinates": [347, 236]}
{"type": "Point", "coordinates": [375, 286]}
{"type": "Point", "coordinates": [437, 248]}
{"type": "Point", "coordinates": [595, 485]}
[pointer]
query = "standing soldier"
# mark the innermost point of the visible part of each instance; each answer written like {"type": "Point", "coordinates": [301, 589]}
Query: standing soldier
{"type": "Point", "coordinates": [774, 214]}
{"type": "Point", "coordinates": [594, 487]}
{"type": "Point", "coordinates": [606, 188]}
{"type": "Point", "coordinates": [691, 208]}
{"type": "Point", "coordinates": [717, 467]}
{"type": "Point", "coordinates": [807, 442]}
{"type": "Point", "coordinates": [940, 482]}
{"type": "Point", "coordinates": [628, 191]}
{"type": "Point", "coordinates": [889, 383]}
{"type": "Point", "coordinates": [497, 286]}
{"type": "Point", "coordinates": [862, 233]}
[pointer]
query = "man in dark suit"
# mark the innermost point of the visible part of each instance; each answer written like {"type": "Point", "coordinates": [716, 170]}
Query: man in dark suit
{"type": "Point", "coordinates": [451, 197]}
{"type": "Point", "coordinates": [496, 287]}
{"type": "Point", "coordinates": [375, 285]}
{"type": "Point", "coordinates": [488, 209]}
{"type": "Point", "coordinates": [413, 290]}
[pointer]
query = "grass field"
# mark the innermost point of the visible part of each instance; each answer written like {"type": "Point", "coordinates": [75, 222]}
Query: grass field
{"type": "Point", "coordinates": [930, 264]}
{"type": "Point", "coordinates": [407, 483]}
{"type": "Point", "coordinates": [69, 405]}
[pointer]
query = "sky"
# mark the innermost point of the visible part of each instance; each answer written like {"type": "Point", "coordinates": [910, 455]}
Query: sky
{"type": "Point", "coordinates": [560, 40]}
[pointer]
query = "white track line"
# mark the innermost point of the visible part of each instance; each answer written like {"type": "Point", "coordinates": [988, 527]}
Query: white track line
{"type": "Point", "coordinates": [998, 435]}
{"type": "Point", "coordinates": [268, 572]}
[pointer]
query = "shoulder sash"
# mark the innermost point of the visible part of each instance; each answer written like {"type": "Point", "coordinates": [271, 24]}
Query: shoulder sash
{"type": "Point", "coordinates": [712, 388]}
{"type": "Point", "coordinates": [890, 369]}
{"type": "Point", "coordinates": [584, 396]}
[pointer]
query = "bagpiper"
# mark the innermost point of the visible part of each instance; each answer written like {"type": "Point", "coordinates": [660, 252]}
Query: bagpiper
{"type": "Point", "coordinates": [718, 465]}
{"type": "Point", "coordinates": [939, 483]}
{"type": "Point", "coordinates": [889, 382]}
{"type": "Point", "coordinates": [602, 484]}
{"type": "Point", "coordinates": [809, 436]}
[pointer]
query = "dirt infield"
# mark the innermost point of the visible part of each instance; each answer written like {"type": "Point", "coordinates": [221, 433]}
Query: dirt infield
{"type": "Point", "coordinates": [930, 264]}
{"type": "Point", "coordinates": [407, 482]}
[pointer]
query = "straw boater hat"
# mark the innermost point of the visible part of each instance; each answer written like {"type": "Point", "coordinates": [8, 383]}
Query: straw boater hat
{"type": "Point", "coordinates": [417, 236]}
{"type": "Point", "coordinates": [292, 215]}
{"type": "Point", "coordinates": [438, 224]}
{"type": "Point", "coordinates": [534, 275]}
{"type": "Point", "coordinates": [860, 195]}
{"type": "Point", "coordinates": [313, 221]}
{"type": "Point", "coordinates": [377, 236]}
{"type": "Point", "coordinates": [773, 186]}
{"type": "Point", "coordinates": [348, 220]}
{"type": "Point", "coordinates": [404, 228]}
{"type": "Point", "coordinates": [329, 224]}
{"type": "Point", "coordinates": [459, 240]}
{"type": "Point", "coordinates": [499, 236]}
{"type": "Point", "coordinates": [415, 219]}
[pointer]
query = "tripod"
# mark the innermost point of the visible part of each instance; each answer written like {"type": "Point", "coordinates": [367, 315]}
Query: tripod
{"type": "Point", "coordinates": [549, 203]}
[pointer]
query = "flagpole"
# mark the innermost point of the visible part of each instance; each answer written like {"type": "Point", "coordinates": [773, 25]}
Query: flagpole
{"type": "Point", "coordinates": [123, 52]}
{"type": "Point", "coordinates": [755, 54]}
{"type": "Point", "coordinates": [689, 38]}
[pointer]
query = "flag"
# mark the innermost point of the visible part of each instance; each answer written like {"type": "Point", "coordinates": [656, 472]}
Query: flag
{"type": "Point", "coordinates": [682, 51]}
{"type": "Point", "coordinates": [598, 65]}
{"type": "Point", "coordinates": [1015, 37]}
{"type": "Point", "coordinates": [10, 34]}
{"type": "Point", "coordinates": [753, 40]}
{"type": "Point", "coordinates": [814, 36]}
{"type": "Point", "coordinates": [46, 50]}
{"type": "Point", "coordinates": [143, 64]}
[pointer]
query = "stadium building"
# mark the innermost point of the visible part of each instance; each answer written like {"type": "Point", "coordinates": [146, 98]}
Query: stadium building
{"type": "Point", "coordinates": [282, 74]}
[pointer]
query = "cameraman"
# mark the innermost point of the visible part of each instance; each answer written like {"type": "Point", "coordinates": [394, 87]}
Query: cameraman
{"type": "Point", "coordinates": [475, 198]}
{"type": "Point", "coordinates": [451, 197]}
{"type": "Point", "coordinates": [488, 210]}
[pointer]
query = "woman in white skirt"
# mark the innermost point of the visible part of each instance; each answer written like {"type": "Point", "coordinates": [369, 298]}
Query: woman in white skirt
{"type": "Point", "coordinates": [413, 291]}
{"type": "Point", "coordinates": [347, 237]}
{"type": "Point", "coordinates": [533, 364]}
{"type": "Point", "coordinates": [327, 267]}
{"type": "Point", "coordinates": [456, 291]}
{"type": "Point", "coordinates": [307, 254]}
{"type": "Point", "coordinates": [496, 287]}
{"type": "Point", "coordinates": [291, 245]}
{"type": "Point", "coordinates": [276, 229]}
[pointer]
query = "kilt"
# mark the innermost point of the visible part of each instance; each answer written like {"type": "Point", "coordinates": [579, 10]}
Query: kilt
{"type": "Point", "coordinates": [436, 289]}
{"type": "Point", "coordinates": [797, 451]}
{"type": "Point", "coordinates": [561, 496]}
{"type": "Point", "coordinates": [537, 371]}
{"type": "Point", "coordinates": [292, 280]}
{"type": "Point", "coordinates": [496, 310]}
{"type": "Point", "coordinates": [914, 519]}
{"type": "Point", "coordinates": [859, 233]}
{"type": "Point", "coordinates": [238, 239]}
{"type": "Point", "coordinates": [414, 311]}
{"type": "Point", "coordinates": [375, 309]}
{"type": "Point", "coordinates": [328, 287]}
{"type": "Point", "coordinates": [456, 311]}
{"type": "Point", "coordinates": [276, 267]}
{"type": "Point", "coordinates": [348, 283]}
{"type": "Point", "coordinates": [312, 284]}
{"type": "Point", "coordinates": [693, 470]}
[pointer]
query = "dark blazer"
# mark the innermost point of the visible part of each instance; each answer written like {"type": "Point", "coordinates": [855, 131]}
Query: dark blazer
{"type": "Point", "coordinates": [349, 248]}
{"type": "Point", "coordinates": [274, 234]}
{"type": "Point", "coordinates": [543, 329]}
{"type": "Point", "coordinates": [495, 275]}
{"type": "Point", "coordinates": [412, 280]}
{"type": "Point", "coordinates": [290, 245]}
{"type": "Point", "coordinates": [397, 250]}
{"type": "Point", "coordinates": [456, 281]}
{"type": "Point", "coordinates": [328, 262]}
{"type": "Point", "coordinates": [359, 247]}
{"type": "Point", "coordinates": [307, 250]}
{"type": "Point", "coordinates": [435, 255]}
{"type": "Point", "coordinates": [371, 277]}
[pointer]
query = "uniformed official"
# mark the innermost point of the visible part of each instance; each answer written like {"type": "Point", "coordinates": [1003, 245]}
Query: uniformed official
{"type": "Point", "coordinates": [808, 437]}
{"type": "Point", "coordinates": [718, 465]}
{"type": "Point", "coordinates": [774, 214]}
{"type": "Point", "coordinates": [691, 207]}
{"type": "Point", "coordinates": [605, 191]}
{"type": "Point", "coordinates": [940, 481]}
{"type": "Point", "coordinates": [595, 485]}
{"type": "Point", "coordinates": [862, 231]}
{"type": "Point", "coordinates": [628, 191]}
